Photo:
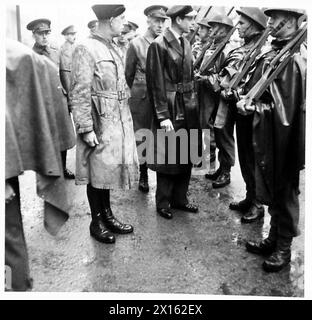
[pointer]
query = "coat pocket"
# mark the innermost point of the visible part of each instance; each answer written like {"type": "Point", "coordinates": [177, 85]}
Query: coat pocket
{"type": "Point", "coordinates": [105, 107]}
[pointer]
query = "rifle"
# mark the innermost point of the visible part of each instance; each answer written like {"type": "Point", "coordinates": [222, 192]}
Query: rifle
{"type": "Point", "coordinates": [218, 50]}
{"type": "Point", "coordinates": [248, 60]}
{"type": "Point", "coordinates": [207, 46]}
{"type": "Point", "coordinates": [273, 70]}
{"type": "Point", "coordinates": [197, 28]}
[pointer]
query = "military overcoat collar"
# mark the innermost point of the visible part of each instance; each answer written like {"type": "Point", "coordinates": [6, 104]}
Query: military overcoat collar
{"type": "Point", "coordinates": [169, 36]}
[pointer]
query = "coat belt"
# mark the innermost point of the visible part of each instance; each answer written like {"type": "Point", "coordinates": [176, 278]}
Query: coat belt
{"type": "Point", "coordinates": [181, 87]}
{"type": "Point", "coordinates": [117, 95]}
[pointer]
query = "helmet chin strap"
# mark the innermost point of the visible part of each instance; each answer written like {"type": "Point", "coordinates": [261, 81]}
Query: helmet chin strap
{"type": "Point", "coordinates": [280, 26]}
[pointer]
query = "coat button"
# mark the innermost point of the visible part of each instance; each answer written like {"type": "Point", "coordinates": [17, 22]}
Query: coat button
{"type": "Point", "coordinates": [262, 163]}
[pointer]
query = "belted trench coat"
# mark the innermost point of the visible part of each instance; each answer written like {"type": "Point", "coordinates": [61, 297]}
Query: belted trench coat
{"type": "Point", "coordinates": [169, 75]}
{"type": "Point", "coordinates": [99, 99]}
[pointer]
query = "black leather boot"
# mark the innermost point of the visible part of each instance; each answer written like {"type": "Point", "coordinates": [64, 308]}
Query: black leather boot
{"type": "Point", "coordinates": [97, 227]}
{"type": "Point", "coordinates": [223, 179]}
{"type": "Point", "coordinates": [242, 206]}
{"type": "Point", "coordinates": [214, 175]}
{"type": "Point", "coordinates": [265, 247]}
{"type": "Point", "coordinates": [143, 181]}
{"type": "Point", "coordinates": [113, 224]}
{"type": "Point", "coordinates": [280, 258]}
{"type": "Point", "coordinates": [98, 230]}
{"type": "Point", "coordinates": [256, 212]}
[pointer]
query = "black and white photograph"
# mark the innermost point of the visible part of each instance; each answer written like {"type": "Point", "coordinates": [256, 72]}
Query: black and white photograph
{"type": "Point", "coordinates": [156, 149]}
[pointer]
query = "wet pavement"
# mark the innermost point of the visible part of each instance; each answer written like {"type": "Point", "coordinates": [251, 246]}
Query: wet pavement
{"type": "Point", "coordinates": [201, 253]}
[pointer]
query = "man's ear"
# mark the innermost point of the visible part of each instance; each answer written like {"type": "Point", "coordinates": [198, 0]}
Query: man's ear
{"type": "Point", "coordinates": [292, 22]}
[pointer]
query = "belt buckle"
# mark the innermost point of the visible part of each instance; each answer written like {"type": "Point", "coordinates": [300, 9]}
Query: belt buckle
{"type": "Point", "coordinates": [180, 87]}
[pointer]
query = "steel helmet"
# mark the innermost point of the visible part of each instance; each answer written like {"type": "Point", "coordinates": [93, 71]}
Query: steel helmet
{"type": "Point", "coordinates": [255, 14]}
{"type": "Point", "coordinates": [296, 12]}
{"type": "Point", "coordinates": [222, 19]}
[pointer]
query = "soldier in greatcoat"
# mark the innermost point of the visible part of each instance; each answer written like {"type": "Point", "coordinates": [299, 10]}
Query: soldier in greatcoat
{"type": "Point", "coordinates": [135, 70]}
{"type": "Point", "coordinates": [41, 29]}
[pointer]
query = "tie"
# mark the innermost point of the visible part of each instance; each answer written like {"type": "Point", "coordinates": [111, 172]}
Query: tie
{"type": "Point", "coordinates": [181, 42]}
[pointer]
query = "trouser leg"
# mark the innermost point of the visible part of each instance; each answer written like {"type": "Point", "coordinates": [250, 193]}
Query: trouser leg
{"type": "Point", "coordinates": [246, 154]}
{"type": "Point", "coordinates": [16, 256]}
{"type": "Point", "coordinates": [180, 188]}
{"type": "Point", "coordinates": [225, 141]}
{"type": "Point", "coordinates": [64, 156]}
{"type": "Point", "coordinates": [165, 184]}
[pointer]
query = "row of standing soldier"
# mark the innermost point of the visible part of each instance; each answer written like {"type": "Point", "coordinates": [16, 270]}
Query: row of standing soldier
{"type": "Point", "coordinates": [158, 69]}
{"type": "Point", "coordinates": [159, 72]}
{"type": "Point", "coordinates": [271, 153]}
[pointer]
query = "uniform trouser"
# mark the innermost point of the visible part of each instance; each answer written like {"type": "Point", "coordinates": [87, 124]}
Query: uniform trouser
{"type": "Point", "coordinates": [172, 189]}
{"type": "Point", "coordinates": [225, 141]}
{"type": "Point", "coordinates": [64, 156]}
{"type": "Point", "coordinates": [285, 211]}
{"type": "Point", "coordinates": [244, 130]}
{"type": "Point", "coordinates": [16, 256]}
{"type": "Point", "coordinates": [209, 139]}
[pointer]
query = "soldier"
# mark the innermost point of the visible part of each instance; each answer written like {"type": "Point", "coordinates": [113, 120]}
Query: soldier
{"type": "Point", "coordinates": [41, 32]}
{"type": "Point", "coordinates": [66, 52]}
{"type": "Point", "coordinates": [122, 41]}
{"type": "Point", "coordinates": [106, 152]}
{"type": "Point", "coordinates": [92, 25]}
{"type": "Point", "coordinates": [278, 140]}
{"type": "Point", "coordinates": [169, 78]}
{"type": "Point", "coordinates": [203, 38]}
{"type": "Point", "coordinates": [208, 86]}
{"type": "Point", "coordinates": [252, 23]}
{"type": "Point", "coordinates": [135, 75]}
{"type": "Point", "coordinates": [132, 33]}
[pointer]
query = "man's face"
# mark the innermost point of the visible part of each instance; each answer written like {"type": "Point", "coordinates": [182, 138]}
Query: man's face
{"type": "Point", "coordinates": [71, 37]}
{"type": "Point", "coordinates": [186, 24]}
{"type": "Point", "coordinates": [156, 25]}
{"type": "Point", "coordinates": [203, 32]}
{"type": "Point", "coordinates": [42, 37]}
{"type": "Point", "coordinates": [244, 27]}
{"type": "Point", "coordinates": [276, 22]}
{"type": "Point", "coordinates": [117, 24]}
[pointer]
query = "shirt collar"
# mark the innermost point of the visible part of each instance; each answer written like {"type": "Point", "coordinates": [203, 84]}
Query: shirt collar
{"type": "Point", "coordinates": [176, 35]}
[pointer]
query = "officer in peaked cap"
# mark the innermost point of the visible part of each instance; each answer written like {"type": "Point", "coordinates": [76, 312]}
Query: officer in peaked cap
{"type": "Point", "coordinates": [136, 78]}
{"type": "Point", "coordinates": [69, 30]}
{"type": "Point", "coordinates": [133, 25]}
{"type": "Point", "coordinates": [41, 32]}
{"type": "Point", "coordinates": [156, 11]}
{"type": "Point", "coordinates": [41, 29]}
{"type": "Point", "coordinates": [66, 52]}
{"type": "Point", "coordinates": [92, 25]}
{"type": "Point", "coordinates": [39, 25]}
{"type": "Point", "coordinates": [179, 10]}
{"type": "Point", "coordinates": [106, 151]}
{"type": "Point", "coordinates": [169, 78]}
